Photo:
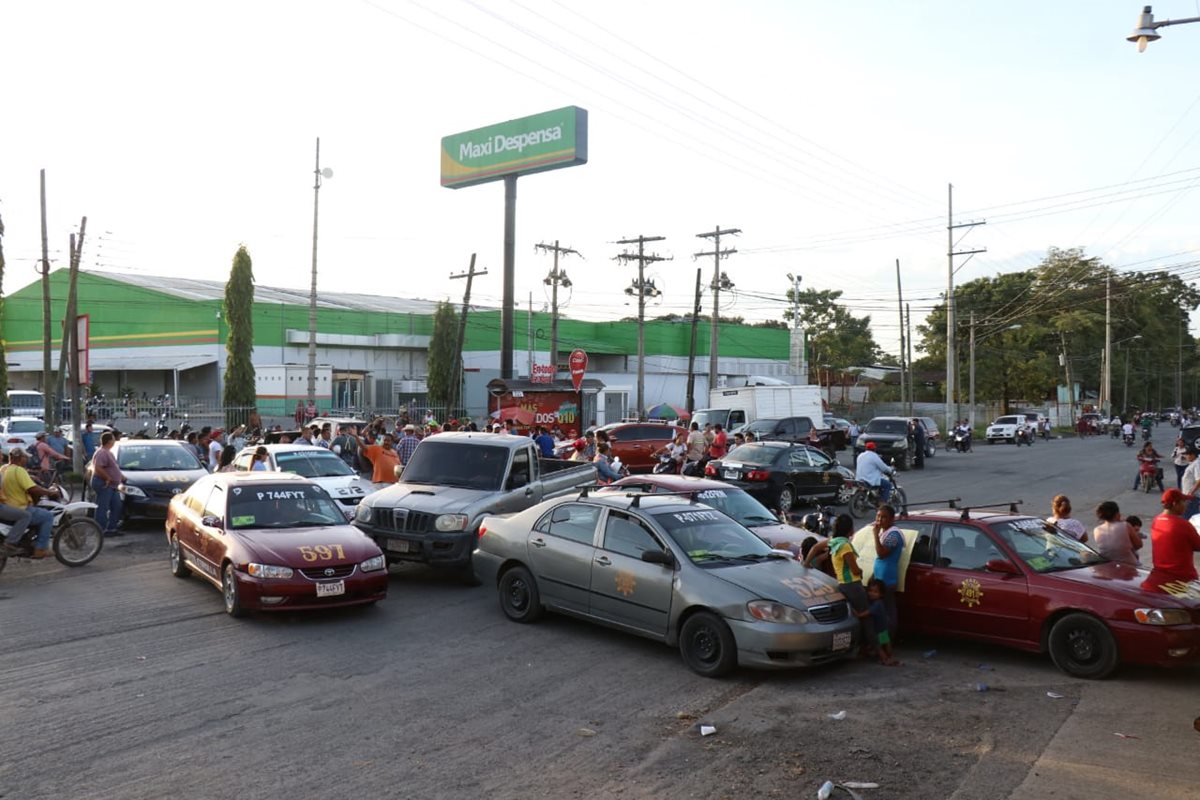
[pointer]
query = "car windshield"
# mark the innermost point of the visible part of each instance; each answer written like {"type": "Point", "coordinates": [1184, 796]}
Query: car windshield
{"type": "Point", "coordinates": [739, 505]}
{"type": "Point", "coordinates": [757, 454]}
{"type": "Point", "coordinates": [1046, 550]}
{"type": "Point", "coordinates": [282, 506]}
{"type": "Point", "coordinates": [26, 426]}
{"type": "Point", "coordinates": [1006, 421]}
{"type": "Point", "coordinates": [712, 539]}
{"type": "Point", "coordinates": [149, 457]}
{"type": "Point", "coordinates": [468, 466]}
{"type": "Point", "coordinates": [312, 463]}
{"type": "Point", "coordinates": [897, 426]}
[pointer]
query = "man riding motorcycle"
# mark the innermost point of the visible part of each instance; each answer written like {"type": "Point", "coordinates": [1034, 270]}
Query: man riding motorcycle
{"type": "Point", "coordinates": [17, 490]}
{"type": "Point", "coordinates": [874, 471]}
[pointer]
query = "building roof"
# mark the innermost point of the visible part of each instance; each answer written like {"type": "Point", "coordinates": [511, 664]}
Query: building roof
{"type": "Point", "coordinates": [195, 289]}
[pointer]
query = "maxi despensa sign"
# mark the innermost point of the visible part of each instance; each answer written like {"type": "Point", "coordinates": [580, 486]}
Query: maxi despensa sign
{"type": "Point", "coordinates": [550, 140]}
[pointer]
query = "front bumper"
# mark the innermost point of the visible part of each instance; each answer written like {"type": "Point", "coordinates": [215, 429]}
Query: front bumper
{"type": "Point", "coordinates": [767, 645]}
{"type": "Point", "coordinates": [150, 507]}
{"type": "Point", "coordinates": [1162, 646]}
{"type": "Point", "coordinates": [486, 567]}
{"type": "Point", "coordinates": [437, 549]}
{"type": "Point", "coordinates": [299, 593]}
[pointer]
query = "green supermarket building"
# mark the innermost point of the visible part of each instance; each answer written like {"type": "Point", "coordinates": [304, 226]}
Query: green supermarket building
{"type": "Point", "coordinates": [153, 335]}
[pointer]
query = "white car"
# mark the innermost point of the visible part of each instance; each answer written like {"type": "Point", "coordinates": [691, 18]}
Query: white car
{"type": "Point", "coordinates": [19, 432]}
{"type": "Point", "coordinates": [1005, 428]}
{"type": "Point", "coordinates": [322, 466]}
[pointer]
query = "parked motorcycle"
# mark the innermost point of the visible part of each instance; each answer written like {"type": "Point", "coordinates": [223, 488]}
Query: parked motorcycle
{"type": "Point", "coordinates": [76, 538]}
{"type": "Point", "coordinates": [666, 466]}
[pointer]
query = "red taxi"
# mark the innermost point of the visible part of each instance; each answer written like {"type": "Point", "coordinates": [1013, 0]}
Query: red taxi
{"type": "Point", "coordinates": [271, 541]}
{"type": "Point", "coordinates": [1005, 578]}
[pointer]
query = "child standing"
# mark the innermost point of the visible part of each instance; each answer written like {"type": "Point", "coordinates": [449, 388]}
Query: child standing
{"type": "Point", "coordinates": [878, 613]}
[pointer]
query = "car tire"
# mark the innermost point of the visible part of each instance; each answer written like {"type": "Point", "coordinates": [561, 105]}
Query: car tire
{"type": "Point", "coordinates": [179, 567]}
{"type": "Point", "coordinates": [230, 594]}
{"type": "Point", "coordinates": [787, 497]}
{"type": "Point", "coordinates": [859, 507]}
{"type": "Point", "coordinates": [903, 462]}
{"type": "Point", "coordinates": [519, 597]}
{"type": "Point", "coordinates": [707, 645]}
{"type": "Point", "coordinates": [1082, 646]}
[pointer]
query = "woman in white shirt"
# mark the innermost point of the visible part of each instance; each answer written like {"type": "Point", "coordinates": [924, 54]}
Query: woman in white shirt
{"type": "Point", "coordinates": [1061, 519]}
{"type": "Point", "coordinates": [1113, 538]}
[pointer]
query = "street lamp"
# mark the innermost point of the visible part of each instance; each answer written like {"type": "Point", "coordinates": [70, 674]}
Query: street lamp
{"type": "Point", "coordinates": [1146, 30]}
{"type": "Point", "coordinates": [318, 174]}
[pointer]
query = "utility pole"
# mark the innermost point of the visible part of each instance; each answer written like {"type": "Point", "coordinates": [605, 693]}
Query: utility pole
{"type": "Point", "coordinates": [691, 379]}
{"type": "Point", "coordinates": [1179, 367]}
{"type": "Point", "coordinates": [529, 333]}
{"type": "Point", "coordinates": [720, 281]}
{"type": "Point", "coordinates": [68, 323]}
{"type": "Point", "coordinates": [459, 376]}
{"type": "Point", "coordinates": [318, 174]}
{"type": "Point", "coordinates": [908, 337]}
{"type": "Point", "coordinates": [1106, 367]}
{"type": "Point", "coordinates": [900, 304]}
{"type": "Point", "coordinates": [555, 279]}
{"type": "Point", "coordinates": [641, 288]}
{"type": "Point", "coordinates": [951, 348]}
{"type": "Point", "coordinates": [971, 393]}
{"type": "Point", "coordinates": [71, 343]}
{"type": "Point", "coordinates": [796, 339]}
{"type": "Point", "coordinates": [1066, 360]}
{"type": "Point", "coordinates": [47, 375]}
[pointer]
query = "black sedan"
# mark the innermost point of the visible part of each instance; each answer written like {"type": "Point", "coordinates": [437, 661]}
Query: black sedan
{"type": "Point", "coordinates": [780, 474]}
{"type": "Point", "coordinates": [155, 471]}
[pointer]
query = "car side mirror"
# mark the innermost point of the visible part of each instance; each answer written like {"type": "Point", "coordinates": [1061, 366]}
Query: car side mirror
{"type": "Point", "coordinates": [658, 557]}
{"type": "Point", "coordinates": [1002, 566]}
{"type": "Point", "coordinates": [211, 521]}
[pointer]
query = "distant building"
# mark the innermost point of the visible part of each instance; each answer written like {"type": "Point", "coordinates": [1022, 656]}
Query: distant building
{"type": "Point", "coordinates": [159, 335]}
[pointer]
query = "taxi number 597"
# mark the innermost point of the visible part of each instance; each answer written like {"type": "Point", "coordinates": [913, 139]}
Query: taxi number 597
{"type": "Point", "coordinates": [322, 552]}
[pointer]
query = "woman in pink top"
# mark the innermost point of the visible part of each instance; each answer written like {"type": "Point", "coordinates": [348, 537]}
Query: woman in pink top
{"type": "Point", "coordinates": [1113, 538]}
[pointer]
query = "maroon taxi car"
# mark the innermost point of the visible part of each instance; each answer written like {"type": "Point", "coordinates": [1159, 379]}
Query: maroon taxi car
{"type": "Point", "coordinates": [730, 500]}
{"type": "Point", "coordinates": [635, 443]}
{"type": "Point", "coordinates": [1006, 579]}
{"type": "Point", "coordinates": [272, 541]}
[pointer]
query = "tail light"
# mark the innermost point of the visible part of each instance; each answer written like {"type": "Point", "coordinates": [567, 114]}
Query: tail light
{"type": "Point", "coordinates": [482, 531]}
{"type": "Point", "coordinates": [709, 469]}
{"type": "Point", "coordinates": [758, 475]}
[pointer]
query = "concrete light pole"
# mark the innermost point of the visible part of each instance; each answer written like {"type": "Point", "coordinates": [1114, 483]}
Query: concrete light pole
{"type": "Point", "coordinates": [1146, 29]}
{"type": "Point", "coordinates": [318, 174]}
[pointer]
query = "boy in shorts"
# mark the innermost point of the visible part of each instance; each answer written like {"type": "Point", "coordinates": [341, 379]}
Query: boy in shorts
{"type": "Point", "coordinates": [878, 613]}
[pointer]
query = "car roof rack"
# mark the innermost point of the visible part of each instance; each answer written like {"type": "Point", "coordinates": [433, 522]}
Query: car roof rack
{"type": "Point", "coordinates": [636, 497]}
{"type": "Point", "coordinates": [948, 502]}
{"type": "Point", "coordinates": [1011, 505]}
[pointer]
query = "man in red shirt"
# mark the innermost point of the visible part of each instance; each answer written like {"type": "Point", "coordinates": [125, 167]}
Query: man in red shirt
{"type": "Point", "coordinates": [1174, 539]}
{"type": "Point", "coordinates": [718, 447]}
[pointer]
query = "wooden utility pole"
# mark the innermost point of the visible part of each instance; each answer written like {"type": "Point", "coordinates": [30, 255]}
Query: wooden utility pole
{"type": "Point", "coordinates": [691, 379]}
{"type": "Point", "coordinates": [900, 304]}
{"type": "Point", "coordinates": [555, 279]}
{"type": "Point", "coordinates": [1070, 387]}
{"type": "Point", "coordinates": [640, 288]}
{"type": "Point", "coordinates": [47, 375]}
{"type": "Point", "coordinates": [908, 339]}
{"type": "Point", "coordinates": [459, 375]}
{"type": "Point", "coordinates": [720, 281]}
{"type": "Point", "coordinates": [68, 324]}
{"type": "Point", "coordinates": [71, 343]}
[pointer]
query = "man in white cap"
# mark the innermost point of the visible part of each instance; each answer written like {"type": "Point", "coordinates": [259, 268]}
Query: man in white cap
{"type": "Point", "coordinates": [497, 427]}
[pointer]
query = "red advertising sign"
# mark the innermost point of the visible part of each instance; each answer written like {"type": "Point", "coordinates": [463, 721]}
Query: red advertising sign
{"type": "Point", "coordinates": [553, 409]}
{"type": "Point", "coordinates": [83, 373]}
{"type": "Point", "coordinates": [578, 364]}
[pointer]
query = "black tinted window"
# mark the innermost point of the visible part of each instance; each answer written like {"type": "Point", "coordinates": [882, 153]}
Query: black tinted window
{"type": "Point", "coordinates": [571, 521]}
{"type": "Point", "coordinates": [758, 454]}
{"type": "Point", "coordinates": [897, 426]}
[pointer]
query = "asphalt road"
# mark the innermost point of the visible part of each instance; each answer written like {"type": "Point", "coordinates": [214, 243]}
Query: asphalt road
{"type": "Point", "coordinates": [120, 681]}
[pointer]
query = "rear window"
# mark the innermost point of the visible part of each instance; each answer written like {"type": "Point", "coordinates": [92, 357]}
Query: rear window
{"type": "Point", "coordinates": [26, 426]}
{"type": "Point", "coordinates": [314, 462]}
{"type": "Point", "coordinates": [154, 458]}
{"type": "Point", "coordinates": [754, 453]}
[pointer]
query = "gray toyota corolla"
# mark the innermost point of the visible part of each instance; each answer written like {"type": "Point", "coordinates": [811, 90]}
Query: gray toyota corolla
{"type": "Point", "coordinates": [670, 569]}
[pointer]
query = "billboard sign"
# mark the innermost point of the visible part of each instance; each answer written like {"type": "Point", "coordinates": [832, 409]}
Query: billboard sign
{"type": "Point", "coordinates": [550, 140]}
{"type": "Point", "coordinates": [578, 365]}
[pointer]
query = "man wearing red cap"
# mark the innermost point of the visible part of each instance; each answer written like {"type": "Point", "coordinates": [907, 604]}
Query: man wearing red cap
{"type": "Point", "coordinates": [872, 470]}
{"type": "Point", "coordinates": [1174, 539]}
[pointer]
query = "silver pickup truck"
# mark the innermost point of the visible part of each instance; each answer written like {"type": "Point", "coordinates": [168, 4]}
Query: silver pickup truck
{"type": "Point", "coordinates": [453, 481]}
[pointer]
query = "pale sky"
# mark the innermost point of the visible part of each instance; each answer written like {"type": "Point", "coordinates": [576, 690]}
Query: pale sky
{"type": "Point", "coordinates": [826, 131]}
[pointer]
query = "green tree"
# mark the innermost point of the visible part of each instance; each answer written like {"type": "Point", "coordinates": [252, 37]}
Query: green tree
{"type": "Point", "coordinates": [443, 347]}
{"type": "Point", "coordinates": [835, 336]}
{"type": "Point", "coordinates": [3, 354]}
{"type": "Point", "coordinates": [239, 395]}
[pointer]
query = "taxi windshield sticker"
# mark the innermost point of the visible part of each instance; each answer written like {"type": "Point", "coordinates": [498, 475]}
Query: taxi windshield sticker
{"type": "Point", "coordinates": [237, 490]}
{"type": "Point", "coordinates": [239, 522]}
{"type": "Point", "coordinates": [970, 593]}
{"type": "Point", "coordinates": [697, 516]}
{"type": "Point", "coordinates": [710, 494]}
{"type": "Point", "coordinates": [1040, 563]}
{"type": "Point", "coordinates": [290, 494]}
{"type": "Point", "coordinates": [626, 583]}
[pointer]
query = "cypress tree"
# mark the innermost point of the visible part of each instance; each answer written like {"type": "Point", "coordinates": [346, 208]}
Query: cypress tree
{"type": "Point", "coordinates": [443, 346]}
{"type": "Point", "coordinates": [3, 355]}
{"type": "Point", "coordinates": [239, 395]}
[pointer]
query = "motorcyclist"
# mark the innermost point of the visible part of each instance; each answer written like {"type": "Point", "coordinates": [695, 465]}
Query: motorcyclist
{"type": "Point", "coordinates": [17, 490]}
{"type": "Point", "coordinates": [964, 428]}
{"type": "Point", "coordinates": [874, 471]}
{"type": "Point", "coordinates": [1147, 426]}
{"type": "Point", "coordinates": [1127, 430]}
{"type": "Point", "coordinates": [1147, 458]}
{"type": "Point", "coordinates": [676, 449]}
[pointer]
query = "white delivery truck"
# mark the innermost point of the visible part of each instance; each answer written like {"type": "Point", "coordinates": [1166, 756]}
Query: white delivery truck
{"type": "Point", "coordinates": [744, 404]}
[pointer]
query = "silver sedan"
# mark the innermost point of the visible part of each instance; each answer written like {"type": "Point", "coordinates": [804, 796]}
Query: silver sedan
{"type": "Point", "coordinates": [669, 569]}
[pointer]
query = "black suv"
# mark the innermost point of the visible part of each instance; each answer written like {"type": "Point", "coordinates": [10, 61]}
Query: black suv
{"type": "Point", "coordinates": [890, 435]}
{"type": "Point", "coordinates": [795, 429]}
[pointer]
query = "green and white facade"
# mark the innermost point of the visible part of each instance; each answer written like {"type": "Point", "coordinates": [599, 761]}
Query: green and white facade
{"type": "Point", "coordinates": [161, 335]}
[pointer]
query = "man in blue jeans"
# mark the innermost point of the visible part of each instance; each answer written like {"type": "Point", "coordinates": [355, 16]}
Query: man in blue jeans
{"type": "Point", "coordinates": [18, 491]}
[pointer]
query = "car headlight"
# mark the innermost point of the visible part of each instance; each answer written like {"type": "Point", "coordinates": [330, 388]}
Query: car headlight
{"type": "Point", "coordinates": [362, 513]}
{"type": "Point", "coordinates": [450, 522]}
{"type": "Point", "coordinates": [900, 445]}
{"type": "Point", "coordinates": [373, 564]}
{"type": "Point", "coordinates": [1162, 616]}
{"type": "Point", "coordinates": [268, 571]}
{"type": "Point", "coordinates": [130, 491]}
{"type": "Point", "coordinates": [770, 611]}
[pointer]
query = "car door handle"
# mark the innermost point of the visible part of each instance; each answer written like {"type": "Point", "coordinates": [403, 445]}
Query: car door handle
{"type": "Point", "coordinates": [538, 542]}
{"type": "Point", "coordinates": [529, 491]}
{"type": "Point", "coordinates": [603, 561]}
